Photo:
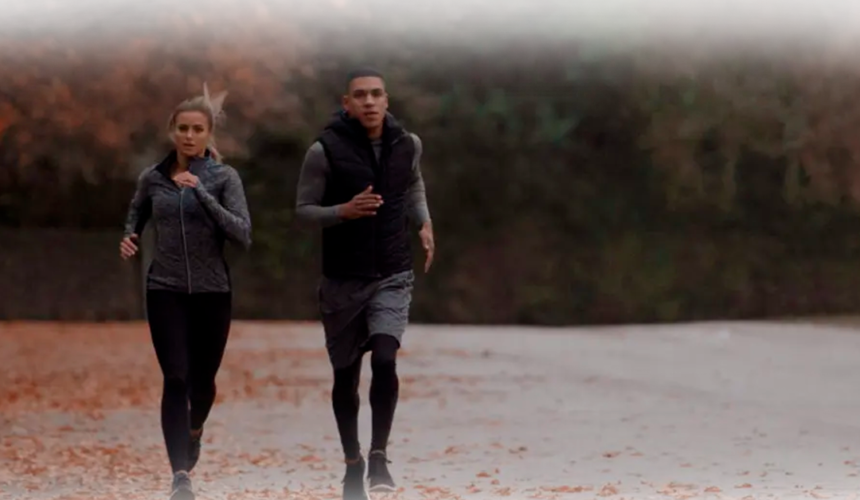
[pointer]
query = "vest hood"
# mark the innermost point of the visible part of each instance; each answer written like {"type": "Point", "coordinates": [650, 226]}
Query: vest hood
{"type": "Point", "coordinates": [346, 126]}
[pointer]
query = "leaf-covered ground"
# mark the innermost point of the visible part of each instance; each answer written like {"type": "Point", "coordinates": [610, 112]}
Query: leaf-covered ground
{"type": "Point", "coordinates": [718, 411]}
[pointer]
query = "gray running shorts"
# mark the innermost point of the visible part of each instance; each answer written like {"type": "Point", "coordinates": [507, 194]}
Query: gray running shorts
{"type": "Point", "coordinates": [355, 310]}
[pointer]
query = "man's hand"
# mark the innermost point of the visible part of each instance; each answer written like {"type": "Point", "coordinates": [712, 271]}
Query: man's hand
{"type": "Point", "coordinates": [364, 204]}
{"type": "Point", "coordinates": [427, 242]}
{"type": "Point", "coordinates": [185, 179]}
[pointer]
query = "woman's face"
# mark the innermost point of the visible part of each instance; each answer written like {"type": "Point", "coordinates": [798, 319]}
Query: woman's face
{"type": "Point", "coordinates": [191, 133]}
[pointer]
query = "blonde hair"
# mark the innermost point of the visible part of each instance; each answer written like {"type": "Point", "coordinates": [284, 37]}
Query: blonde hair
{"type": "Point", "coordinates": [209, 106]}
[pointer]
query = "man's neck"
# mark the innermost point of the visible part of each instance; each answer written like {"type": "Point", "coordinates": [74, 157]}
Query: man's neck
{"type": "Point", "coordinates": [374, 133]}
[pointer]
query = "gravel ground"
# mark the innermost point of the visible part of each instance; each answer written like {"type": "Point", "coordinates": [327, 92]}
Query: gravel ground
{"type": "Point", "coordinates": [716, 410]}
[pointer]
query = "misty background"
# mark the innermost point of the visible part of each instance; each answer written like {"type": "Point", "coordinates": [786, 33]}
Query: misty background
{"type": "Point", "coordinates": [597, 162]}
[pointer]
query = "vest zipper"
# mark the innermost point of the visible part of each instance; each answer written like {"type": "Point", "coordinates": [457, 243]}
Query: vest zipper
{"type": "Point", "coordinates": [184, 242]}
{"type": "Point", "coordinates": [382, 168]}
{"type": "Point", "coordinates": [374, 257]}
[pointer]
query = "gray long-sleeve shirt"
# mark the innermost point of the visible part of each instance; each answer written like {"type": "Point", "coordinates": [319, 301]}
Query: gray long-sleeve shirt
{"type": "Point", "coordinates": [312, 183]}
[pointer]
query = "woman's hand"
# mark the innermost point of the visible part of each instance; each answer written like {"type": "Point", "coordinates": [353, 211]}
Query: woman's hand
{"type": "Point", "coordinates": [128, 247]}
{"type": "Point", "coordinates": [186, 179]}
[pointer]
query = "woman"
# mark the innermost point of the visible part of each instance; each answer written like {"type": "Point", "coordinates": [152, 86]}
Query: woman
{"type": "Point", "coordinates": [195, 203]}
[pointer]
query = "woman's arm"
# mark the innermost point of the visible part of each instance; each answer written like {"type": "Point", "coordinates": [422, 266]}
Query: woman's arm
{"type": "Point", "coordinates": [140, 208]}
{"type": "Point", "coordinates": [233, 216]}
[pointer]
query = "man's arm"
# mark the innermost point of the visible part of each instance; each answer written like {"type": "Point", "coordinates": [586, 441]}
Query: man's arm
{"type": "Point", "coordinates": [312, 182]}
{"type": "Point", "coordinates": [419, 211]}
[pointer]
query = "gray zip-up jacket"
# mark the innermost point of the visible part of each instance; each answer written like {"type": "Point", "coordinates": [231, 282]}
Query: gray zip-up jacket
{"type": "Point", "coordinates": [191, 225]}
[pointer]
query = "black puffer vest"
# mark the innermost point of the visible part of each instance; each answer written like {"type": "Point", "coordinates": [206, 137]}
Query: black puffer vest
{"type": "Point", "coordinates": [369, 247]}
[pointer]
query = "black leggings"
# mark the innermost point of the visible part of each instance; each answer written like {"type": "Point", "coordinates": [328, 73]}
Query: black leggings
{"type": "Point", "coordinates": [384, 390]}
{"type": "Point", "coordinates": [189, 334]}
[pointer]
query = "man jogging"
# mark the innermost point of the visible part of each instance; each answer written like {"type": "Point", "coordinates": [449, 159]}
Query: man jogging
{"type": "Point", "coordinates": [361, 182]}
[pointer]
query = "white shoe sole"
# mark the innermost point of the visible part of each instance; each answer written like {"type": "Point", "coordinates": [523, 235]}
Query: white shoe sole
{"type": "Point", "coordinates": [182, 495]}
{"type": "Point", "coordinates": [383, 488]}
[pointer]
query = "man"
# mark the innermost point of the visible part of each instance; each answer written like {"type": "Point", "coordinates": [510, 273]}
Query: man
{"type": "Point", "coordinates": [361, 182]}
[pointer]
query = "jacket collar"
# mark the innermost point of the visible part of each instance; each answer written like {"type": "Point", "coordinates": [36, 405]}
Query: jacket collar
{"type": "Point", "coordinates": [196, 165]}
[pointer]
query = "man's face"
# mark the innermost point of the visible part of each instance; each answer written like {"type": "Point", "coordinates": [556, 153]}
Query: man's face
{"type": "Point", "coordinates": [367, 101]}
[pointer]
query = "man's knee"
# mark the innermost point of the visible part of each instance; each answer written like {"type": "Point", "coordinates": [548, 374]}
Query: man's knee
{"type": "Point", "coordinates": [383, 352]}
{"type": "Point", "coordinates": [346, 382]}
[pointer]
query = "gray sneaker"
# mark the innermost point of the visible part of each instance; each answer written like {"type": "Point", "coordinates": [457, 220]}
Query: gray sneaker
{"type": "Point", "coordinates": [353, 481]}
{"type": "Point", "coordinates": [377, 472]}
{"type": "Point", "coordinates": [181, 487]}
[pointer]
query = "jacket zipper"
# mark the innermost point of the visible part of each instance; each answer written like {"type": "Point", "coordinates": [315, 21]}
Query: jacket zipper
{"type": "Point", "coordinates": [182, 227]}
{"type": "Point", "coordinates": [184, 242]}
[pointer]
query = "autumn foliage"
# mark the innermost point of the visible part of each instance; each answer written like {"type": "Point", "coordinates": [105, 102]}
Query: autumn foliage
{"type": "Point", "coordinates": [82, 103]}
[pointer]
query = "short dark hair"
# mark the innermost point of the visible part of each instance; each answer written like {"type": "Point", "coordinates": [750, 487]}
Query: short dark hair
{"type": "Point", "coordinates": [362, 72]}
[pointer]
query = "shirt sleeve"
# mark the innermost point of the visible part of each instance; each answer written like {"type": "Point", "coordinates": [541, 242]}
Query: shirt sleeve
{"type": "Point", "coordinates": [140, 208]}
{"type": "Point", "coordinates": [311, 188]}
{"type": "Point", "coordinates": [233, 216]}
{"type": "Point", "coordinates": [419, 210]}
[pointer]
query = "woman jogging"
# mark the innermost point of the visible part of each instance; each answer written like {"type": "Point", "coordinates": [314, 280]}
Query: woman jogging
{"type": "Point", "coordinates": [196, 203]}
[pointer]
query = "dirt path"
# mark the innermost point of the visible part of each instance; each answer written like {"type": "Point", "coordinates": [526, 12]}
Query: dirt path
{"type": "Point", "coordinates": [692, 411]}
